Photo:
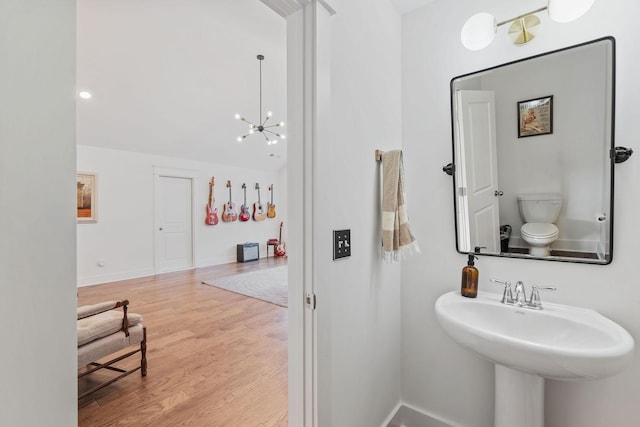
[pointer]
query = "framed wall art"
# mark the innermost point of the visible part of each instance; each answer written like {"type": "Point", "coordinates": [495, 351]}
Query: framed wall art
{"type": "Point", "coordinates": [535, 116]}
{"type": "Point", "coordinates": [87, 197]}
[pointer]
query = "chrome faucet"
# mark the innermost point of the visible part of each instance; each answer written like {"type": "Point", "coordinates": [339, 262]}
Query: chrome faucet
{"type": "Point", "coordinates": [519, 295]}
{"type": "Point", "coordinates": [534, 300]}
{"type": "Point", "coordinates": [507, 296]}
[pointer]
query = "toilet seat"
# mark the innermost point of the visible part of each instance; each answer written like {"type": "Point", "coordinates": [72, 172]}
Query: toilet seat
{"type": "Point", "coordinates": [539, 230]}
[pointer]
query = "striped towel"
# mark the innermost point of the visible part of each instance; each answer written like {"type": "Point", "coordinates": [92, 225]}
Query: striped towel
{"type": "Point", "coordinates": [396, 236]}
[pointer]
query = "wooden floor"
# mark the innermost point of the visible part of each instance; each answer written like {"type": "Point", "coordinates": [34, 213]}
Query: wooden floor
{"type": "Point", "coordinates": [215, 358]}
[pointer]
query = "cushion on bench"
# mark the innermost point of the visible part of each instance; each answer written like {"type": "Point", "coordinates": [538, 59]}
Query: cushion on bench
{"type": "Point", "coordinates": [100, 325]}
{"type": "Point", "coordinates": [108, 345]}
{"type": "Point", "coordinates": [90, 310]}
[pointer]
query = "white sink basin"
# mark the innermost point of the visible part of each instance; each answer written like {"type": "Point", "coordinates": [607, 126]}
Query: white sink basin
{"type": "Point", "coordinates": [560, 342]}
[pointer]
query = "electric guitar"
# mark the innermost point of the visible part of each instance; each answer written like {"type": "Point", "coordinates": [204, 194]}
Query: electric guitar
{"type": "Point", "coordinates": [229, 211]}
{"type": "Point", "coordinates": [258, 209]}
{"type": "Point", "coordinates": [280, 249]}
{"type": "Point", "coordinates": [244, 209]}
{"type": "Point", "coordinates": [212, 213]}
{"type": "Point", "coordinates": [271, 208]}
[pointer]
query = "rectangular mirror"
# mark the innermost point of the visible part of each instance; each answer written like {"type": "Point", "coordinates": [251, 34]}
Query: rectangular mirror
{"type": "Point", "coordinates": [533, 156]}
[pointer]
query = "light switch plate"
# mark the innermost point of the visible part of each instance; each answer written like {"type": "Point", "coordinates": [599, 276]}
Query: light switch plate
{"type": "Point", "coordinates": [341, 243]}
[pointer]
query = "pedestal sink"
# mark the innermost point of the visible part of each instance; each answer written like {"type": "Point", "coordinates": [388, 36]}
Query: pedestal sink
{"type": "Point", "coordinates": [560, 342]}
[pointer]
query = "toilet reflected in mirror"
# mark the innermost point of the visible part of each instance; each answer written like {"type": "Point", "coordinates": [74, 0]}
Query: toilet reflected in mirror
{"type": "Point", "coordinates": [539, 212]}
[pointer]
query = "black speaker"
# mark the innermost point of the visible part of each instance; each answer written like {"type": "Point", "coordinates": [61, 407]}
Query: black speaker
{"type": "Point", "coordinates": [248, 252]}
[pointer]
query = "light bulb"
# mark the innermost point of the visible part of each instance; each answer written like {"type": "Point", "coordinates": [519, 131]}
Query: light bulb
{"type": "Point", "coordinates": [251, 131]}
{"type": "Point", "coordinates": [479, 31]}
{"type": "Point", "coordinates": [568, 10]}
{"type": "Point", "coordinates": [239, 139]}
{"type": "Point", "coordinates": [84, 94]}
{"type": "Point", "coordinates": [269, 113]}
{"type": "Point", "coordinates": [283, 136]}
{"type": "Point", "coordinates": [238, 116]}
{"type": "Point", "coordinates": [281, 124]}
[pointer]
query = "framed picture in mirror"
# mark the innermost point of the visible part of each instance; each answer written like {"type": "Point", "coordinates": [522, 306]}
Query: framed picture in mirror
{"type": "Point", "coordinates": [535, 116]}
{"type": "Point", "coordinates": [87, 197]}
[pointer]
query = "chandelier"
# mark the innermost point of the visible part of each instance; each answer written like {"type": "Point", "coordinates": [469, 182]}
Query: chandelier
{"type": "Point", "coordinates": [262, 127]}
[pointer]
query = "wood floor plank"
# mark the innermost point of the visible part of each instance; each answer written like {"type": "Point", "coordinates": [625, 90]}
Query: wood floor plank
{"type": "Point", "coordinates": [215, 358]}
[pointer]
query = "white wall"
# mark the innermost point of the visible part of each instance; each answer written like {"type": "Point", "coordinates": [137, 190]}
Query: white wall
{"type": "Point", "coordinates": [358, 312]}
{"type": "Point", "coordinates": [37, 218]}
{"type": "Point", "coordinates": [439, 377]}
{"type": "Point", "coordinates": [123, 237]}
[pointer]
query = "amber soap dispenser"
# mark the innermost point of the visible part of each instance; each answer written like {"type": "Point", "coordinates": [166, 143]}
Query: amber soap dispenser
{"type": "Point", "coordinates": [469, 286]}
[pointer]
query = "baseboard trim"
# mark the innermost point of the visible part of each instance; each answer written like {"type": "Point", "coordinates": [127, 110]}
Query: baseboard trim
{"type": "Point", "coordinates": [392, 416]}
{"type": "Point", "coordinates": [407, 416]}
{"type": "Point", "coordinates": [106, 278]}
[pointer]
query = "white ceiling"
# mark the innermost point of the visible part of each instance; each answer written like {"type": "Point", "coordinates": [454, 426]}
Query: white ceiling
{"type": "Point", "coordinates": [405, 6]}
{"type": "Point", "coordinates": [169, 79]}
{"type": "Point", "coordinates": [168, 76]}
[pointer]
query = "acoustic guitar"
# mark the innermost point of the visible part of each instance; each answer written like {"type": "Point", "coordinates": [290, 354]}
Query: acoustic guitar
{"type": "Point", "coordinates": [229, 211]}
{"type": "Point", "coordinates": [245, 215]}
{"type": "Point", "coordinates": [212, 213]}
{"type": "Point", "coordinates": [258, 209]}
{"type": "Point", "coordinates": [280, 249]}
{"type": "Point", "coordinates": [271, 208]}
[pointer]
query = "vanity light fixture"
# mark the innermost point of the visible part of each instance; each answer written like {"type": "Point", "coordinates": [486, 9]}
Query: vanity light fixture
{"type": "Point", "coordinates": [262, 125]}
{"type": "Point", "coordinates": [480, 30]}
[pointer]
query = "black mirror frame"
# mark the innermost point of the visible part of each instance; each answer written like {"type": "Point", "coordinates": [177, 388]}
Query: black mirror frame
{"type": "Point", "coordinates": [617, 154]}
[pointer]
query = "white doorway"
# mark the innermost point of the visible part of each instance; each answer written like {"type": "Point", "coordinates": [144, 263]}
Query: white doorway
{"type": "Point", "coordinates": [173, 221]}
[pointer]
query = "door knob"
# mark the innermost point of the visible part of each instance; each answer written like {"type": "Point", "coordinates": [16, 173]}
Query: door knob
{"type": "Point", "coordinates": [498, 193]}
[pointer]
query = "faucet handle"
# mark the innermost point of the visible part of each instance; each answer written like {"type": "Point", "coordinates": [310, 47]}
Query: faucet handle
{"type": "Point", "coordinates": [507, 296]}
{"type": "Point", "coordinates": [534, 299]}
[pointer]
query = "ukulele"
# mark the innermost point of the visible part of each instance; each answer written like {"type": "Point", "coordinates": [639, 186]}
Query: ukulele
{"type": "Point", "coordinates": [229, 211]}
{"type": "Point", "coordinates": [258, 209]}
{"type": "Point", "coordinates": [244, 209]}
{"type": "Point", "coordinates": [271, 208]}
{"type": "Point", "coordinates": [212, 213]}
{"type": "Point", "coordinates": [280, 249]}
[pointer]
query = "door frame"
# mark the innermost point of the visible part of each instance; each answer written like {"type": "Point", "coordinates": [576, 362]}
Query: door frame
{"type": "Point", "coordinates": [158, 172]}
{"type": "Point", "coordinates": [308, 112]}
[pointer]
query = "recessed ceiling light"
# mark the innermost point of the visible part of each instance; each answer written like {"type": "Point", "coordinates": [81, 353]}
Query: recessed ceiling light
{"type": "Point", "coordinates": [84, 94]}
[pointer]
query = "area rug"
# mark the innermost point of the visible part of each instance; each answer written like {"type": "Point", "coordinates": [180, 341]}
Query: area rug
{"type": "Point", "coordinates": [268, 284]}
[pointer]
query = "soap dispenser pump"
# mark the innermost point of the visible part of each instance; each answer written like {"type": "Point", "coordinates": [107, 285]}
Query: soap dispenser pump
{"type": "Point", "coordinates": [469, 285]}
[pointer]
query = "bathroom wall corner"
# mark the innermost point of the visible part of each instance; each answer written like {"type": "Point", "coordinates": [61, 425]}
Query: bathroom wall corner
{"type": "Point", "coordinates": [406, 416]}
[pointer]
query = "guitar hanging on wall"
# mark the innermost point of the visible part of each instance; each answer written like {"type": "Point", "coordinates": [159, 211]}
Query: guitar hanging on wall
{"type": "Point", "coordinates": [271, 208]}
{"type": "Point", "coordinates": [258, 209]}
{"type": "Point", "coordinates": [212, 213]}
{"type": "Point", "coordinates": [280, 249]}
{"type": "Point", "coordinates": [229, 211]}
{"type": "Point", "coordinates": [245, 215]}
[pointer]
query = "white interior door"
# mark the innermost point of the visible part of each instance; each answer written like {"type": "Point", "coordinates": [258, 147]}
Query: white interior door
{"type": "Point", "coordinates": [174, 235]}
{"type": "Point", "coordinates": [477, 134]}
